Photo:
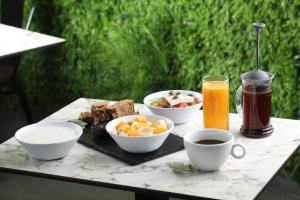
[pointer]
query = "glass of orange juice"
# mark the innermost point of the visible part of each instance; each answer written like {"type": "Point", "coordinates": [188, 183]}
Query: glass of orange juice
{"type": "Point", "coordinates": [215, 91]}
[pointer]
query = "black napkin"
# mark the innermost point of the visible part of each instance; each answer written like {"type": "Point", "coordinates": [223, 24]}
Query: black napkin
{"type": "Point", "coordinates": [107, 145]}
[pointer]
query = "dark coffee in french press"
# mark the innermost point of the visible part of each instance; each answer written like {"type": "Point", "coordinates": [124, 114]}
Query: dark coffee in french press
{"type": "Point", "coordinates": [254, 98]}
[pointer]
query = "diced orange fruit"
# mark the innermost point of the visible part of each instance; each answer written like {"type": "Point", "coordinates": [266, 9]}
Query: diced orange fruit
{"type": "Point", "coordinates": [129, 129]}
{"type": "Point", "coordinates": [145, 130]}
{"type": "Point", "coordinates": [120, 124]}
{"type": "Point", "coordinates": [159, 123]}
{"type": "Point", "coordinates": [132, 132]}
{"type": "Point", "coordinates": [155, 124]}
{"type": "Point", "coordinates": [159, 130]}
{"type": "Point", "coordinates": [140, 125]}
{"type": "Point", "coordinates": [141, 119]}
{"type": "Point", "coordinates": [125, 128]}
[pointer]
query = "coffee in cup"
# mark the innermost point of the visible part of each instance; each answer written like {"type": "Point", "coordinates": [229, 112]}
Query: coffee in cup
{"type": "Point", "coordinates": [208, 149]}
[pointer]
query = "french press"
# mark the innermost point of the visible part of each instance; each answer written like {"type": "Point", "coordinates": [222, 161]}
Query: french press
{"type": "Point", "coordinates": [253, 98]}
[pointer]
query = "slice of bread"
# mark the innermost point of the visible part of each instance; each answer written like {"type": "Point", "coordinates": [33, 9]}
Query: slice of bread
{"type": "Point", "coordinates": [121, 108]}
{"type": "Point", "coordinates": [101, 112]}
{"type": "Point", "coordinates": [86, 117]}
{"type": "Point", "coordinates": [98, 106]}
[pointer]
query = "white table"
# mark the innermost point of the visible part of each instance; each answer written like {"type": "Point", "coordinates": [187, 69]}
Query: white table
{"type": "Point", "coordinates": [170, 175]}
{"type": "Point", "coordinates": [17, 41]}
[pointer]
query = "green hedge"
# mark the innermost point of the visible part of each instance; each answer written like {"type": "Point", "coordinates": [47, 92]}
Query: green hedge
{"type": "Point", "coordinates": [127, 49]}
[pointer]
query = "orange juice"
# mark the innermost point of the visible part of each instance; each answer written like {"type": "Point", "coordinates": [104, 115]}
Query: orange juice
{"type": "Point", "coordinates": [216, 104]}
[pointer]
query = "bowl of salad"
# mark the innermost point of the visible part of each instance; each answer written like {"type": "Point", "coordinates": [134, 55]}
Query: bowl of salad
{"type": "Point", "coordinates": [177, 105]}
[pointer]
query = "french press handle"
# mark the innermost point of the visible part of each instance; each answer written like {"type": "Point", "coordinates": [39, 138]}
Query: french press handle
{"type": "Point", "coordinates": [238, 101]}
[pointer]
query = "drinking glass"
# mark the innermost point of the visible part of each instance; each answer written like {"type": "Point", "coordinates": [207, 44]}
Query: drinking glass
{"type": "Point", "coordinates": [215, 90]}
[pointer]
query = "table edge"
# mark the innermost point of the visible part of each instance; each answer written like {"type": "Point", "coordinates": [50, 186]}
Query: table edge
{"type": "Point", "coordinates": [36, 48]}
{"type": "Point", "coordinates": [102, 184]}
{"type": "Point", "coordinates": [279, 169]}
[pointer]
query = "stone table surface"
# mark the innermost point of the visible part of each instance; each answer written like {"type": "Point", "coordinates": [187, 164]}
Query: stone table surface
{"type": "Point", "coordinates": [172, 174]}
{"type": "Point", "coordinates": [16, 40]}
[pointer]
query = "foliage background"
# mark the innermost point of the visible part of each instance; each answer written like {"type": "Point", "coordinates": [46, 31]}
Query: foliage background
{"type": "Point", "coordinates": [126, 49]}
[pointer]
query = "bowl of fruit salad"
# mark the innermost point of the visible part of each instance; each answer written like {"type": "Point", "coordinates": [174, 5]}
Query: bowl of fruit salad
{"type": "Point", "coordinates": [140, 133]}
{"type": "Point", "coordinates": [177, 105]}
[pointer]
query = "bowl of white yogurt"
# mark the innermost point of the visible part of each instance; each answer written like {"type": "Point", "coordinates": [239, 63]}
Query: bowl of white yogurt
{"type": "Point", "coordinates": [49, 140]}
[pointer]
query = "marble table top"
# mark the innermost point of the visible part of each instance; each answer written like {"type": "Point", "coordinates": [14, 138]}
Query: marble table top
{"type": "Point", "coordinates": [172, 174]}
{"type": "Point", "coordinates": [16, 40]}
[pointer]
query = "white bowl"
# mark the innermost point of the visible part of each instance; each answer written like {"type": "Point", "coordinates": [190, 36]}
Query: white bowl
{"type": "Point", "coordinates": [49, 150]}
{"type": "Point", "coordinates": [177, 115]}
{"type": "Point", "coordinates": [141, 144]}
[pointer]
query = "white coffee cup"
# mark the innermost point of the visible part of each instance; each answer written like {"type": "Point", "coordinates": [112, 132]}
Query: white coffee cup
{"type": "Point", "coordinates": [210, 157]}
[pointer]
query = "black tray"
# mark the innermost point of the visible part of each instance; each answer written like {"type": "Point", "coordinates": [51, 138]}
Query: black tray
{"type": "Point", "coordinates": [107, 145]}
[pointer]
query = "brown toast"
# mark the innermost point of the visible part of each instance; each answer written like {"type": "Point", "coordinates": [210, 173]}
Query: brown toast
{"type": "Point", "coordinates": [121, 108]}
{"type": "Point", "coordinates": [87, 117]}
{"type": "Point", "coordinates": [98, 106]}
{"type": "Point", "coordinates": [102, 113]}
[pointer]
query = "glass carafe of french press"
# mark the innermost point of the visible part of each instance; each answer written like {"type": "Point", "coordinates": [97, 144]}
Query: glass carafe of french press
{"type": "Point", "coordinates": [253, 98]}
